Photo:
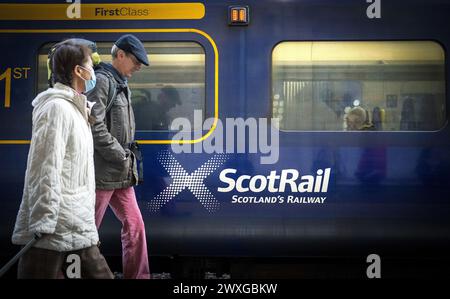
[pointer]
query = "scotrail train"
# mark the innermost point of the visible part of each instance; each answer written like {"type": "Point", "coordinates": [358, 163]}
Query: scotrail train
{"type": "Point", "coordinates": [302, 63]}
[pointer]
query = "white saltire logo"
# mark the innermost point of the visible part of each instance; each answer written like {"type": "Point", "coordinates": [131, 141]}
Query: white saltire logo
{"type": "Point", "coordinates": [194, 181]}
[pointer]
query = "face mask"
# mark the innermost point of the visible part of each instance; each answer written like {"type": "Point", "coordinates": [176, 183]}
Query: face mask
{"type": "Point", "coordinates": [89, 84]}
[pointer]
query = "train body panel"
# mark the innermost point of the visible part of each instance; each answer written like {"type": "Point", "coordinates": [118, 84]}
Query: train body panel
{"type": "Point", "coordinates": [355, 191]}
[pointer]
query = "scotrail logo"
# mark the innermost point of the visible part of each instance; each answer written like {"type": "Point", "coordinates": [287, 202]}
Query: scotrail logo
{"type": "Point", "coordinates": [274, 182]}
{"type": "Point", "coordinates": [284, 187]}
{"type": "Point", "coordinates": [194, 181]}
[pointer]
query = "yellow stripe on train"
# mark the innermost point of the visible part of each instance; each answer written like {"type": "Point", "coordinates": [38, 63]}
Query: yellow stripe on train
{"type": "Point", "coordinates": [111, 11]}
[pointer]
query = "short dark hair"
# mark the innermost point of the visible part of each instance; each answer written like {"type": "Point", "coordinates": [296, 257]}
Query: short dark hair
{"type": "Point", "coordinates": [66, 56]}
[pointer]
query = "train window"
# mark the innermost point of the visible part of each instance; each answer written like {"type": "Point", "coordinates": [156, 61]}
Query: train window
{"type": "Point", "coordinates": [172, 86]}
{"type": "Point", "coordinates": [399, 84]}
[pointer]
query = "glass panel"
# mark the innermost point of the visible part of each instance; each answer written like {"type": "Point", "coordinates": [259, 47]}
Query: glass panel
{"type": "Point", "coordinates": [400, 85]}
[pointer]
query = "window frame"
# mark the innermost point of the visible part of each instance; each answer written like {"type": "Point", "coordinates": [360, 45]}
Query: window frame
{"type": "Point", "coordinates": [174, 34]}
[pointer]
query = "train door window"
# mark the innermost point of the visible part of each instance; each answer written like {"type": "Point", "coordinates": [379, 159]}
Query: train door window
{"type": "Point", "coordinates": [400, 85]}
{"type": "Point", "coordinates": [172, 86]}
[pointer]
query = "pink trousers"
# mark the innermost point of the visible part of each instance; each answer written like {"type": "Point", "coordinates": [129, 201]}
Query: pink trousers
{"type": "Point", "coordinates": [134, 244]}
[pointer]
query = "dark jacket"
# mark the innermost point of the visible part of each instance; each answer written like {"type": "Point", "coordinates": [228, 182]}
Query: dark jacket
{"type": "Point", "coordinates": [115, 165]}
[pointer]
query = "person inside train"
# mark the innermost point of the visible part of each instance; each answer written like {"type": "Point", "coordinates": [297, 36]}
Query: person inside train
{"type": "Point", "coordinates": [357, 120]}
{"type": "Point", "coordinates": [116, 153]}
{"type": "Point", "coordinates": [407, 121]}
{"type": "Point", "coordinates": [377, 118]}
{"type": "Point", "coordinates": [371, 166]}
{"type": "Point", "coordinates": [142, 105]}
{"type": "Point", "coordinates": [59, 191]}
{"type": "Point", "coordinates": [168, 98]}
{"type": "Point", "coordinates": [154, 115]}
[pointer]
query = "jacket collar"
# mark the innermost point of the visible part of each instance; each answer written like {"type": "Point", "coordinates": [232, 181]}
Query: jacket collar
{"type": "Point", "coordinates": [79, 100]}
{"type": "Point", "coordinates": [110, 68]}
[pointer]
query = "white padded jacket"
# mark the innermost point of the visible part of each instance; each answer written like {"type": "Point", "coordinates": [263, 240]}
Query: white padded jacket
{"type": "Point", "coordinates": [59, 191]}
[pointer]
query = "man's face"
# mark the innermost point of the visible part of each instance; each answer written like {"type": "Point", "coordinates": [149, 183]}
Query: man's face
{"type": "Point", "coordinates": [128, 64]}
{"type": "Point", "coordinates": [132, 65]}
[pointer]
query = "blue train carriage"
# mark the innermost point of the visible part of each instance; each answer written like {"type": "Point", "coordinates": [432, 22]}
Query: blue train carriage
{"type": "Point", "coordinates": [325, 190]}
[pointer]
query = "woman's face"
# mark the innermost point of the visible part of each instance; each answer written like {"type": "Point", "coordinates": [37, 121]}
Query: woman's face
{"type": "Point", "coordinates": [86, 69]}
{"type": "Point", "coordinates": [80, 74]}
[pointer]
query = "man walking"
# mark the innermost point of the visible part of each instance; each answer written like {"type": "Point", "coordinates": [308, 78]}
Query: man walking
{"type": "Point", "coordinates": [115, 162]}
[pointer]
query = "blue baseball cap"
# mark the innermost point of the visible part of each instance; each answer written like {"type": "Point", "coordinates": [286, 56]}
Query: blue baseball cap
{"type": "Point", "coordinates": [131, 44]}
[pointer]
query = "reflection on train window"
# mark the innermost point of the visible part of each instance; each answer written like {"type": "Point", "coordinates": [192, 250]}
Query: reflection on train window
{"type": "Point", "coordinates": [401, 85]}
{"type": "Point", "coordinates": [172, 86]}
